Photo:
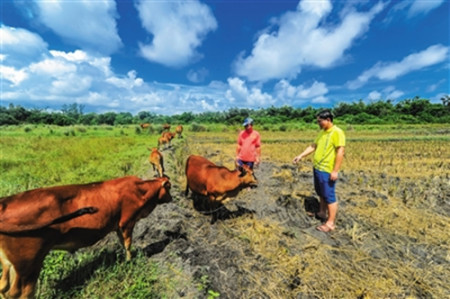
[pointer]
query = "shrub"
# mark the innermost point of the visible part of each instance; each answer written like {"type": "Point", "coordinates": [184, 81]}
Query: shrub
{"type": "Point", "coordinates": [198, 128]}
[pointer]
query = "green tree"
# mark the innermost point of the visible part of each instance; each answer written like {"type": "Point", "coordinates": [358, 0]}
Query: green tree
{"type": "Point", "coordinates": [107, 118]}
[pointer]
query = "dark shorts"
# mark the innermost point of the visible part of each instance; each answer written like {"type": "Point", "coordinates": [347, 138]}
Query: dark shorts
{"type": "Point", "coordinates": [324, 186]}
{"type": "Point", "coordinates": [249, 164]}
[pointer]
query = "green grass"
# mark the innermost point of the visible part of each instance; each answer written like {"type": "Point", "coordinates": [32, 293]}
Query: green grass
{"type": "Point", "coordinates": [35, 160]}
{"type": "Point", "coordinates": [101, 274]}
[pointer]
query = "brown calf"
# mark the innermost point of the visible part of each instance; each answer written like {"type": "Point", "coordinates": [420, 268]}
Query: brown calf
{"type": "Point", "coordinates": [157, 161]}
{"type": "Point", "coordinates": [179, 130]}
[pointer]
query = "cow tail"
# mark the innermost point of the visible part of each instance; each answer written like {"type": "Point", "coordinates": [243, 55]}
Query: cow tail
{"type": "Point", "coordinates": [8, 228]}
{"type": "Point", "coordinates": [77, 213]}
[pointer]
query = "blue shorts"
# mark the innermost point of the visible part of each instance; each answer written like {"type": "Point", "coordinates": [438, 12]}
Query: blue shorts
{"type": "Point", "coordinates": [324, 186]}
{"type": "Point", "coordinates": [249, 164]}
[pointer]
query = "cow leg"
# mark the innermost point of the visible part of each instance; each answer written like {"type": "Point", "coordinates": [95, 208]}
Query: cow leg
{"type": "Point", "coordinates": [6, 267]}
{"type": "Point", "coordinates": [23, 285]}
{"type": "Point", "coordinates": [29, 284]}
{"type": "Point", "coordinates": [125, 235]}
{"type": "Point", "coordinates": [27, 275]}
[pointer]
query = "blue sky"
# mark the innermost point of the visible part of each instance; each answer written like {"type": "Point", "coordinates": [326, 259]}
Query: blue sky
{"type": "Point", "coordinates": [170, 57]}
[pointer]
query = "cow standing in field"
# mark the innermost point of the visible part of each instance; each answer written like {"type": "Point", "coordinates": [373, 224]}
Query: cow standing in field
{"type": "Point", "coordinates": [216, 182]}
{"type": "Point", "coordinates": [145, 126]}
{"type": "Point", "coordinates": [166, 138]}
{"type": "Point", "coordinates": [166, 127]}
{"type": "Point", "coordinates": [162, 141]}
{"type": "Point", "coordinates": [157, 161]}
{"type": "Point", "coordinates": [179, 130]}
{"type": "Point", "coordinates": [68, 218]}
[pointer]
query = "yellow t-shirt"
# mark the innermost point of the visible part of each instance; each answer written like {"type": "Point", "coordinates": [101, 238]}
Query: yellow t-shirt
{"type": "Point", "coordinates": [326, 144]}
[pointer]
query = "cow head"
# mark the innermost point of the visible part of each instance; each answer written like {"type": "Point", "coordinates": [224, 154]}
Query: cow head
{"type": "Point", "coordinates": [246, 176]}
{"type": "Point", "coordinates": [157, 190]}
{"type": "Point", "coordinates": [164, 193]}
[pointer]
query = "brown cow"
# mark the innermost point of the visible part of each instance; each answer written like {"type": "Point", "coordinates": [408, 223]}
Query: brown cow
{"type": "Point", "coordinates": [162, 141]}
{"type": "Point", "coordinates": [69, 217]}
{"type": "Point", "coordinates": [216, 182]}
{"type": "Point", "coordinates": [144, 126]}
{"type": "Point", "coordinates": [166, 127]}
{"type": "Point", "coordinates": [157, 161]}
{"type": "Point", "coordinates": [179, 130]}
{"type": "Point", "coordinates": [169, 136]}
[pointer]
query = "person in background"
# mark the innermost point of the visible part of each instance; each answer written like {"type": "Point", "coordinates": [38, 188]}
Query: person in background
{"type": "Point", "coordinates": [248, 149]}
{"type": "Point", "coordinates": [328, 150]}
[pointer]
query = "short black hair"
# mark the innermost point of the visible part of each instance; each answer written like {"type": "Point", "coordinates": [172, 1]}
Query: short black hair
{"type": "Point", "coordinates": [324, 114]}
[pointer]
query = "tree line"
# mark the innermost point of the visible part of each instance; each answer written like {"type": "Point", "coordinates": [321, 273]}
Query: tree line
{"type": "Point", "coordinates": [408, 111]}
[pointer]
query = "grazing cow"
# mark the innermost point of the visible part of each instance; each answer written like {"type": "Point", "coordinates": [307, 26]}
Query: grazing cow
{"type": "Point", "coordinates": [166, 127]}
{"type": "Point", "coordinates": [179, 130]}
{"type": "Point", "coordinates": [68, 218]}
{"type": "Point", "coordinates": [169, 136]}
{"type": "Point", "coordinates": [162, 141]}
{"type": "Point", "coordinates": [144, 126]}
{"type": "Point", "coordinates": [216, 182]}
{"type": "Point", "coordinates": [157, 161]}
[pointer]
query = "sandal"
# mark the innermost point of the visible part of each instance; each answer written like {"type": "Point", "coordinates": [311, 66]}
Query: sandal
{"type": "Point", "coordinates": [325, 228]}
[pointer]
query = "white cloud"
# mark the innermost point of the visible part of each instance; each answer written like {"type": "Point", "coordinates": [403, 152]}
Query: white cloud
{"type": "Point", "coordinates": [20, 46]}
{"type": "Point", "coordinates": [90, 25]}
{"type": "Point", "coordinates": [76, 56]}
{"type": "Point", "coordinates": [239, 93]}
{"type": "Point", "coordinates": [390, 71]}
{"type": "Point", "coordinates": [434, 86]}
{"type": "Point", "coordinates": [374, 96]}
{"type": "Point", "coordinates": [12, 75]}
{"type": "Point", "coordinates": [197, 76]}
{"type": "Point", "coordinates": [178, 29]}
{"type": "Point", "coordinates": [295, 95]}
{"type": "Point", "coordinates": [394, 95]}
{"type": "Point", "coordinates": [65, 86]}
{"type": "Point", "coordinates": [79, 77]}
{"type": "Point", "coordinates": [388, 93]}
{"type": "Point", "coordinates": [302, 40]}
{"type": "Point", "coordinates": [423, 7]}
{"type": "Point", "coordinates": [128, 83]}
{"type": "Point", "coordinates": [52, 67]}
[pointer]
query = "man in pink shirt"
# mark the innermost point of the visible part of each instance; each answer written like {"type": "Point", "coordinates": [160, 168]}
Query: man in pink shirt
{"type": "Point", "coordinates": [249, 145]}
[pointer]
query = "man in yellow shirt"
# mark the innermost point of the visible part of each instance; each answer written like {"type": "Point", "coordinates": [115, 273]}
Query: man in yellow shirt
{"type": "Point", "coordinates": [328, 150]}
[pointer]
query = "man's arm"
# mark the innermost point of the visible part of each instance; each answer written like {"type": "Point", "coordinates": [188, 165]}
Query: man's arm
{"type": "Point", "coordinates": [258, 155]}
{"type": "Point", "coordinates": [310, 149]}
{"type": "Point", "coordinates": [338, 162]}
